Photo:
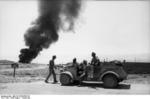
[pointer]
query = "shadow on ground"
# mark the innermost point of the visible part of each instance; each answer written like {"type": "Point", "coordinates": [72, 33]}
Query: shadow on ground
{"type": "Point", "coordinates": [100, 85]}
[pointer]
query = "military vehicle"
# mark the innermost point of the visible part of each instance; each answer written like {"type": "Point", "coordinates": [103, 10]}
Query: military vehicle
{"type": "Point", "coordinates": [110, 73]}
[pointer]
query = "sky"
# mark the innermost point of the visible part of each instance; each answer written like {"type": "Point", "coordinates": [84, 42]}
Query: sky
{"type": "Point", "coordinates": [113, 29]}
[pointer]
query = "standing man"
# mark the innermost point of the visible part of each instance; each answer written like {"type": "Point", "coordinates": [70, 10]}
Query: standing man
{"type": "Point", "coordinates": [51, 70]}
{"type": "Point", "coordinates": [95, 61]}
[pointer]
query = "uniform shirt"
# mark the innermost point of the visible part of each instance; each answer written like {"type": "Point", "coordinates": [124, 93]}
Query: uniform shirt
{"type": "Point", "coordinates": [80, 69]}
{"type": "Point", "coordinates": [51, 64]}
{"type": "Point", "coordinates": [95, 61]}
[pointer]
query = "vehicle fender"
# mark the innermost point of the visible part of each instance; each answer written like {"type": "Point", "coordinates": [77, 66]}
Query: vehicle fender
{"type": "Point", "coordinates": [68, 73]}
{"type": "Point", "coordinates": [109, 72]}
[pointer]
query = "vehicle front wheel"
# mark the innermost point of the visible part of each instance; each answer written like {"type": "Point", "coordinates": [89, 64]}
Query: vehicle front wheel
{"type": "Point", "coordinates": [65, 79]}
{"type": "Point", "coordinates": [110, 81]}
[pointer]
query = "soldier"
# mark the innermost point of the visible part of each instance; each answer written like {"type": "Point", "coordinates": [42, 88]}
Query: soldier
{"type": "Point", "coordinates": [75, 64]}
{"type": "Point", "coordinates": [81, 71]}
{"type": "Point", "coordinates": [51, 70]}
{"type": "Point", "coordinates": [95, 61]}
{"type": "Point", "coordinates": [85, 63]}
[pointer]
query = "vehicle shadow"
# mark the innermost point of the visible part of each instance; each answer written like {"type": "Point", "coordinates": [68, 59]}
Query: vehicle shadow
{"type": "Point", "coordinates": [100, 85]}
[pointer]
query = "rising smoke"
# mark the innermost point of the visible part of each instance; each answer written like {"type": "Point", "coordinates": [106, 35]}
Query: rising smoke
{"type": "Point", "coordinates": [54, 15]}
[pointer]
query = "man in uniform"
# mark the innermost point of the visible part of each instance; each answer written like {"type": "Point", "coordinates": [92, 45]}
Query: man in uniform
{"type": "Point", "coordinates": [81, 71]}
{"type": "Point", "coordinates": [95, 61]}
{"type": "Point", "coordinates": [51, 70]}
{"type": "Point", "coordinates": [74, 63]}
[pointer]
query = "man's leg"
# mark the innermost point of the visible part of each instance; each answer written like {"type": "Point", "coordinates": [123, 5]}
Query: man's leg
{"type": "Point", "coordinates": [54, 76]}
{"type": "Point", "coordinates": [48, 76]}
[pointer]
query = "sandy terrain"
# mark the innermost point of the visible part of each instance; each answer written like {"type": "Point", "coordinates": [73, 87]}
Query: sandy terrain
{"type": "Point", "coordinates": [136, 84]}
{"type": "Point", "coordinates": [31, 81]}
{"type": "Point", "coordinates": [89, 89]}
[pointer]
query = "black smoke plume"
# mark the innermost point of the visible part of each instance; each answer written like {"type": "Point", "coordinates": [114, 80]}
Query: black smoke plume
{"type": "Point", "coordinates": [54, 15]}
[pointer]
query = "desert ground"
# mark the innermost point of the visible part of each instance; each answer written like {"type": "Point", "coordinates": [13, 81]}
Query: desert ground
{"type": "Point", "coordinates": [30, 80]}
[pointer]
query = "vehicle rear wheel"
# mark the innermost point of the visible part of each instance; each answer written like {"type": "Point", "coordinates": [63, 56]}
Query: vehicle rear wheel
{"type": "Point", "coordinates": [65, 79]}
{"type": "Point", "coordinates": [110, 81]}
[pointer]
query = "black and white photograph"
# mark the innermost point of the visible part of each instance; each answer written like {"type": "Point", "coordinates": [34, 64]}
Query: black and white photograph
{"type": "Point", "coordinates": [74, 47]}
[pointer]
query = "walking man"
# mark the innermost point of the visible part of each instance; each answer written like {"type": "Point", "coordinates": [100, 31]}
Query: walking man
{"type": "Point", "coordinates": [51, 70]}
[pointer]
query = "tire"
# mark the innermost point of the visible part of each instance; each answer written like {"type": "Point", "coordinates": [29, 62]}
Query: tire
{"type": "Point", "coordinates": [110, 81]}
{"type": "Point", "coordinates": [65, 79]}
